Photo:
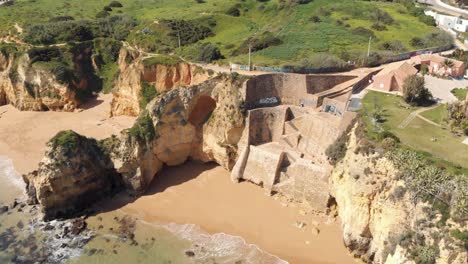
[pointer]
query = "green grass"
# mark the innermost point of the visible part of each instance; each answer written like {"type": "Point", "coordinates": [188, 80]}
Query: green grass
{"type": "Point", "coordinates": [418, 134]}
{"type": "Point", "coordinates": [437, 115]}
{"type": "Point", "coordinates": [460, 93]}
{"type": "Point", "coordinates": [291, 23]}
{"type": "Point", "coordinates": [162, 60]}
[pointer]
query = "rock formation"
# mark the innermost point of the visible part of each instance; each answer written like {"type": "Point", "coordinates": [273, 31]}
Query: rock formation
{"type": "Point", "coordinates": [134, 73]}
{"type": "Point", "coordinates": [30, 88]}
{"type": "Point", "coordinates": [73, 174]}
{"type": "Point", "coordinates": [203, 122]}
{"type": "Point", "coordinates": [54, 78]}
{"type": "Point", "coordinates": [380, 222]}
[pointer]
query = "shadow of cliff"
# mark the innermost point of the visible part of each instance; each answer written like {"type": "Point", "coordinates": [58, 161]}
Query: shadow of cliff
{"type": "Point", "coordinates": [173, 176]}
{"type": "Point", "coordinates": [166, 178]}
{"type": "Point", "coordinates": [91, 103]}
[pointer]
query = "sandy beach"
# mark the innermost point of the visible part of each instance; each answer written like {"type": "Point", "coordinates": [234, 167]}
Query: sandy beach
{"type": "Point", "coordinates": [203, 194]}
{"type": "Point", "coordinates": [23, 135]}
{"type": "Point", "coordinates": [200, 194]}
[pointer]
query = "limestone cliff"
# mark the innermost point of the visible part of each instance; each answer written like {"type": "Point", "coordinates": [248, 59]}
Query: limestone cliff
{"type": "Point", "coordinates": [136, 71]}
{"type": "Point", "coordinates": [380, 220]}
{"type": "Point", "coordinates": [31, 88]}
{"type": "Point", "coordinates": [203, 122]}
{"type": "Point", "coordinates": [73, 173]}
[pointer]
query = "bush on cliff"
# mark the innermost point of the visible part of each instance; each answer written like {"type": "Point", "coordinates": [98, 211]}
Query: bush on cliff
{"type": "Point", "coordinates": [148, 92]}
{"type": "Point", "coordinates": [337, 151]}
{"type": "Point", "coordinates": [143, 129]}
{"type": "Point", "coordinates": [66, 139]}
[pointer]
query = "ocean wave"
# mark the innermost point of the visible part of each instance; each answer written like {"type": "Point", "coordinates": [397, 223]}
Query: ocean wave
{"type": "Point", "coordinates": [11, 183]}
{"type": "Point", "coordinates": [223, 248]}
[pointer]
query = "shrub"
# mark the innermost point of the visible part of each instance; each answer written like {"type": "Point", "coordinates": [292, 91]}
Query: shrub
{"type": "Point", "coordinates": [362, 31]}
{"type": "Point", "coordinates": [188, 31]}
{"type": "Point", "coordinates": [417, 42]}
{"type": "Point", "coordinates": [66, 139]}
{"type": "Point", "coordinates": [414, 90]}
{"type": "Point", "coordinates": [44, 54]}
{"type": "Point", "coordinates": [394, 45]}
{"type": "Point", "coordinates": [208, 52]}
{"type": "Point", "coordinates": [143, 129]}
{"type": "Point", "coordinates": [148, 92]}
{"type": "Point", "coordinates": [258, 42]}
{"type": "Point", "coordinates": [315, 19]}
{"type": "Point", "coordinates": [233, 11]}
{"type": "Point", "coordinates": [115, 4]}
{"type": "Point", "coordinates": [322, 61]}
{"type": "Point", "coordinates": [379, 27]}
{"type": "Point", "coordinates": [425, 254]}
{"type": "Point", "coordinates": [381, 17]}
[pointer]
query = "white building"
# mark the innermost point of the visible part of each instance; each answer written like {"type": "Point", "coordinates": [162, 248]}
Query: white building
{"type": "Point", "coordinates": [449, 22]}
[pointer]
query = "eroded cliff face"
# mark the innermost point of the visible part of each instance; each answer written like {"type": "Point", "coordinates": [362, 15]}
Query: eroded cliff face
{"type": "Point", "coordinates": [32, 89]}
{"type": "Point", "coordinates": [73, 174]}
{"type": "Point", "coordinates": [134, 74]}
{"type": "Point", "coordinates": [379, 219]}
{"type": "Point", "coordinates": [203, 122]}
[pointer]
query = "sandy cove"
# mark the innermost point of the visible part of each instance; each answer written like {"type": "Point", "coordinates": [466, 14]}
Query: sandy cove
{"type": "Point", "coordinates": [203, 194]}
{"type": "Point", "coordinates": [23, 135]}
{"type": "Point", "coordinates": [194, 193]}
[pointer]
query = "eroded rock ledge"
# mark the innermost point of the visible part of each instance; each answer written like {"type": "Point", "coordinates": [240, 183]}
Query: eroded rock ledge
{"type": "Point", "coordinates": [136, 72]}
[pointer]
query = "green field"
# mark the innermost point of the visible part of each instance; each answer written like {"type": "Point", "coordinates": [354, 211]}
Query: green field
{"type": "Point", "coordinates": [293, 24]}
{"type": "Point", "coordinates": [460, 93]}
{"type": "Point", "coordinates": [437, 115]}
{"type": "Point", "coordinates": [418, 134]}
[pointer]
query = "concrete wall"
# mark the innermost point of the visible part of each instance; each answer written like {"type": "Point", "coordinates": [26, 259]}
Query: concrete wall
{"type": "Point", "coordinates": [266, 125]}
{"type": "Point", "coordinates": [291, 89]}
{"type": "Point", "coordinates": [320, 83]}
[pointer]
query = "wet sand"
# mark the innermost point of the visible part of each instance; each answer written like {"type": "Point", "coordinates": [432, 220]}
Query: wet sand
{"type": "Point", "coordinates": [204, 195]}
{"type": "Point", "coordinates": [23, 135]}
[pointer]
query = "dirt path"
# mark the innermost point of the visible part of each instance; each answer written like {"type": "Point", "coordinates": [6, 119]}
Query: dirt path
{"type": "Point", "coordinates": [415, 114]}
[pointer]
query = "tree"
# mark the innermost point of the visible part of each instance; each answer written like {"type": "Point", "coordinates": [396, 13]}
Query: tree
{"type": "Point", "coordinates": [414, 90]}
{"type": "Point", "coordinates": [448, 64]}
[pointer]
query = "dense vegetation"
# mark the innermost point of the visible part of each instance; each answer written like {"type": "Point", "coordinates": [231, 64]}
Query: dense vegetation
{"type": "Point", "coordinates": [280, 32]}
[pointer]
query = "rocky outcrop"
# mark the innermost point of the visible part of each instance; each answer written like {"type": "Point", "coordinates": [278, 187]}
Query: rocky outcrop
{"type": "Point", "coordinates": [134, 73]}
{"type": "Point", "coordinates": [203, 122]}
{"type": "Point", "coordinates": [32, 88]}
{"type": "Point", "coordinates": [380, 221]}
{"type": "Point", "coordinates": [74, 173]}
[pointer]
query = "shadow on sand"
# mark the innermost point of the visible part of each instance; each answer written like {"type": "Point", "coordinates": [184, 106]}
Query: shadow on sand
{"type": "Point", "coordinates": [166, 178]}
{"type": "Point", "coordinates": [91, 103]}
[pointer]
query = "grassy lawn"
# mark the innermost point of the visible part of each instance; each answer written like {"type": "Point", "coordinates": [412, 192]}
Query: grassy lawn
{"type": "Point", "coordinates": [301, 38]}
{"type": "Point", "coordinates": [437, 115]}
{"type": "Point", "coordinates": [418, 134]}
{"type": "Point", "coordinates": [460, 93]}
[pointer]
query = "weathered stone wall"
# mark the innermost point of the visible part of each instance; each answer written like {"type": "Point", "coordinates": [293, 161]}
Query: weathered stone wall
{"type": "Point", "coordinates": [319, 83]}
{"type": "Point", "coordinates": [262, 167]}
{"type": "Point", "coordinates": [266, 124]}
{"type": "Point", "coordinates": [291, 89]}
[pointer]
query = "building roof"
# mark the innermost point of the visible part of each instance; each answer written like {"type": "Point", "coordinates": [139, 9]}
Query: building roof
{"type": "Point", "coordinates": [438, 59]}
{"type": "Point", "coordinates": [395, 73]}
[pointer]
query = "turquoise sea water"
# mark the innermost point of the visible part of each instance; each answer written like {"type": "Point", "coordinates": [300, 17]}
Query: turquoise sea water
{"type": "Point", "coordinates": [23, 236]}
